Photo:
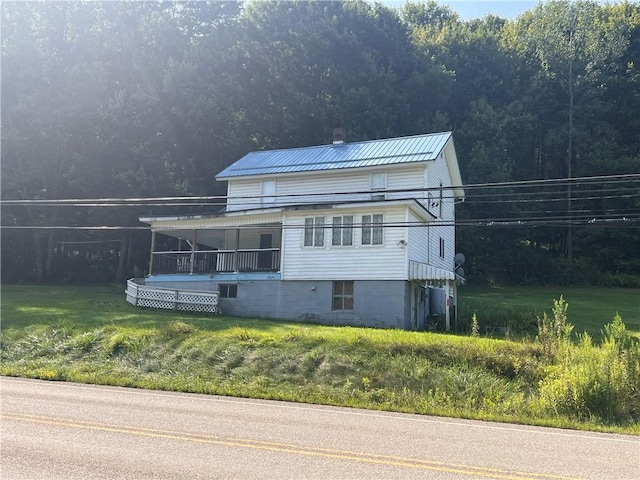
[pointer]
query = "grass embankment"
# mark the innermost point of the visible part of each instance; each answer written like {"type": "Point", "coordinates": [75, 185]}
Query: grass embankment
{"type": "Point", "coordinates": [91, 335]}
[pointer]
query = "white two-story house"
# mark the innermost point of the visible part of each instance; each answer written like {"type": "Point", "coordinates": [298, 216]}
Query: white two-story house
{"type": "Point", "coordinates": [347, 233]}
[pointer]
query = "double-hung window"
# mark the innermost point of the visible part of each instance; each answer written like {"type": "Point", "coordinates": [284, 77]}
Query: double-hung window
{"type": "Point", "coordinates": [378, 185]}
{"type": "Point", "coordinates": [314, 232]}
{"type": "Point", "coordinates": [342, 232]}
{"type": "Point", "coordinates": [372, 229]}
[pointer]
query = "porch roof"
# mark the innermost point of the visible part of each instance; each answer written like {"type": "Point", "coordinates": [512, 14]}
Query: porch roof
{"type": "Point", "coordinates": [423, 272]}
{"type": "Point", "coordinates": [261, 216]}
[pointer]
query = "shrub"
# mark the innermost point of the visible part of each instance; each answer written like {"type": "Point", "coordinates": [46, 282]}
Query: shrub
{"type": "Point", "coordinates": [591, 381]}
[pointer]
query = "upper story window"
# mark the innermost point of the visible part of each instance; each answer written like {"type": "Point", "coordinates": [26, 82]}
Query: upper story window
{"type": "Point", "coordinates": [378, 185]}
{"type": "Point", "coordinates": [268, 193]}
{"type": "Point", "coordinates": [342, 232]}
{"type": "Point", "coordinates": [440, 196]}
{"type": "Point", "coordinates": [314, 232]}
{"type": "Point", "coordinates": [372, 229]}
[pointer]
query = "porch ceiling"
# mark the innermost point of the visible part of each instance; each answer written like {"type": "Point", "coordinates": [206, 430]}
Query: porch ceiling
{"type": "Point", "coordinates": [211, 238]}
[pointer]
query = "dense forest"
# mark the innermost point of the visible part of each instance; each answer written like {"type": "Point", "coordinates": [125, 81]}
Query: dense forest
{"type": "Point", "coordinates": [113, 110]}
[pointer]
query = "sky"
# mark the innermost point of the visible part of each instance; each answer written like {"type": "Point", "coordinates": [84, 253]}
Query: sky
{"type": "Point", "coordinates": [507, 8]}
{"type": "Point", "coordinates": [468, 9]}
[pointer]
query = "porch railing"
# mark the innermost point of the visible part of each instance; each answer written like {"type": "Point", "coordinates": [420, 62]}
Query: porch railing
{"type": "Point", "coordinates": [213, 261]}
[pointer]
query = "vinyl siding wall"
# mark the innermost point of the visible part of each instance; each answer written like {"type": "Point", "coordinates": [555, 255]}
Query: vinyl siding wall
{"type": "Point", "coordinates": [356, 262]}
{"type": "Point", "coordinates": [320, 187]}
{"type": "Point", "coordinates": [418, 240]}
{"type": "Point", "coordinates": [438, 175]}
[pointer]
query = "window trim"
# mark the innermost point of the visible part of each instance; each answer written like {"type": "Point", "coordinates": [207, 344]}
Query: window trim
{"type": "Point", "coordinates": [344, 298]}
{"type": "Point", "coordinates": [313, 235]}
{"type": "Point", "coordinates": [378, 189]}
{"type": "Point", "coordinates": [225, 290]}
{"type": "Point", "coordinates": [341, 230]}
{"type": "Point", "coordinates": [372, 228]}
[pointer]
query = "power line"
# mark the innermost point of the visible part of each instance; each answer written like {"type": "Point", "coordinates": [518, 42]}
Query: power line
{"type": "Point", "coordinates": [193, 200]}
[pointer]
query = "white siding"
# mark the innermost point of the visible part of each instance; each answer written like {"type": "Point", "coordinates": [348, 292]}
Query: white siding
{"type": "Point", "coordinates": [356, 262]}
{"type": "Point", "coordinates": [328, 187]}
{"type": "Point", "coordinates": [244, 194]}
{"type": "Point", "coordinates": [438, 174]}
{"type": "Point", "coordinates": [418, 240]}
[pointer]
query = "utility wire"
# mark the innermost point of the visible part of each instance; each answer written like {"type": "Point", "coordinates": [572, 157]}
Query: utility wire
{"type": "Point", "coordinates": [162, 201]}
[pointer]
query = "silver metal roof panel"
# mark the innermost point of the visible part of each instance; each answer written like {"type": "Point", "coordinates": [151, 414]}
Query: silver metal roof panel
{"type": "Point", "coordinates": [418, 148]}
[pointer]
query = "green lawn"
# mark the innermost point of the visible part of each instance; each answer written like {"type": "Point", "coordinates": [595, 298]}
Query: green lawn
{"type": "Point", "coordinates": [90, 334]}
{"type": "Point", "coordinates": [590, 308]}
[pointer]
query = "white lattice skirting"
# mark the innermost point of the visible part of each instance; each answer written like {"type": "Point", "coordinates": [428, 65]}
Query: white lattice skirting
{"type": "Point", "coordinates": [142, 295]}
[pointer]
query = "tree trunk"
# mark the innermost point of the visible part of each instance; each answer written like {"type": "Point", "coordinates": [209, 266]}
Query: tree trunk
{"type": "Point", "coordinates": [123, 256]}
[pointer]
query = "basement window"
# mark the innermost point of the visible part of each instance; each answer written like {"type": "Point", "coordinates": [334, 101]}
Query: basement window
{"type": "Point", "coordinates": [228, 291]}
{"type": "Point", "coordinates": [342, 295]}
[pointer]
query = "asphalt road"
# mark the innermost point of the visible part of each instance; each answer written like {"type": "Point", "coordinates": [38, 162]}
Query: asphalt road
{"type": "Point", "coordinates": [68, 431]}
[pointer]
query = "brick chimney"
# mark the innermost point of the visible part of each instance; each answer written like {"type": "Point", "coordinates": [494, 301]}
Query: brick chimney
{"type": "Point", "coordinates": [338, 136]}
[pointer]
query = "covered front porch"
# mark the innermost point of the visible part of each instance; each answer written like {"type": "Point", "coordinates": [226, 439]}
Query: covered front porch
{"type": "Point", "coordinates": [209, 246]}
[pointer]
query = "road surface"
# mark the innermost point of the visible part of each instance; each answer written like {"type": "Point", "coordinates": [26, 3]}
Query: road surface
{"type": "Point", "coordinates": [54, 430]}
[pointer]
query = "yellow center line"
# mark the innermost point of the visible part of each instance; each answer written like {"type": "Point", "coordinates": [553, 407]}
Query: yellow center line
{"type": "Point", "coordinates": [363, 457]}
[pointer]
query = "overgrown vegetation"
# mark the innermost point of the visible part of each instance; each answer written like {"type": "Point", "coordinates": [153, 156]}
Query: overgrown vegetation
{"type": "Point", "coordinates": [550, 380]}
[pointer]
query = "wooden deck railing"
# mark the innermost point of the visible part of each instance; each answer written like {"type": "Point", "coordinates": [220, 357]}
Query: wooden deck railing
{"type": "Point", "coordinates": [213, 261]}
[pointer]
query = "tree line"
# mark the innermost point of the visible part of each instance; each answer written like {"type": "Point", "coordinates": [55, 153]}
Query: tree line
{"type": "Point", "coordinates": [152, 99]}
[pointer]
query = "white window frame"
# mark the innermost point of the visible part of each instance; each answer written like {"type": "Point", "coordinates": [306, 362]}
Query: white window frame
{"type": "Point", "coordinates": [372, 231]}
{"type": "Point", "coordinates": [378, 185]}
{"type": "Point", "coordinates": [342, 231]}
{"type": "Point", "coordinates": [268, 190]}
{"type": "Point", "coordinates": [313, 232]}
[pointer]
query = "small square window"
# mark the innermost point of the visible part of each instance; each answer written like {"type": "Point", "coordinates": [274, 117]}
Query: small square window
{"type": "Point", "coordinates": [228, 291]}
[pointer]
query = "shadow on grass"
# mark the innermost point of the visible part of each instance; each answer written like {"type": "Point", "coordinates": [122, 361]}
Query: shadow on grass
{"type": "Point", "coordinates": [88, 307]}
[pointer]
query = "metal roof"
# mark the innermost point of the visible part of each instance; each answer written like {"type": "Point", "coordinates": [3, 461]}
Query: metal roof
{"type": "Point", "coordinates": [418, 148]}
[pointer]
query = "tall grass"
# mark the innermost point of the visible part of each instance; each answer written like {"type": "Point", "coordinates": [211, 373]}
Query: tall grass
{"type": "Point", "coordinates": [549, 380]}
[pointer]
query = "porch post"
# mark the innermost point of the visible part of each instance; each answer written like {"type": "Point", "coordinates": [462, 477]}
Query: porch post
{"type": "Point", "coordinates": [447, 317]}
{"type": "Point", "coordinates": [455, 303]}
{"type": "Point", "coordinates": [235, 255]}
{"type": "Point", "coordinates": [193, 250]}
{"type": "Point", "coordinates": [153, 246]}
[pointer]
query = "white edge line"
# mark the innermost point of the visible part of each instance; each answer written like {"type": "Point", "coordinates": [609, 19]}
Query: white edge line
{"type": "Point", "coordinates": [610, 437]}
